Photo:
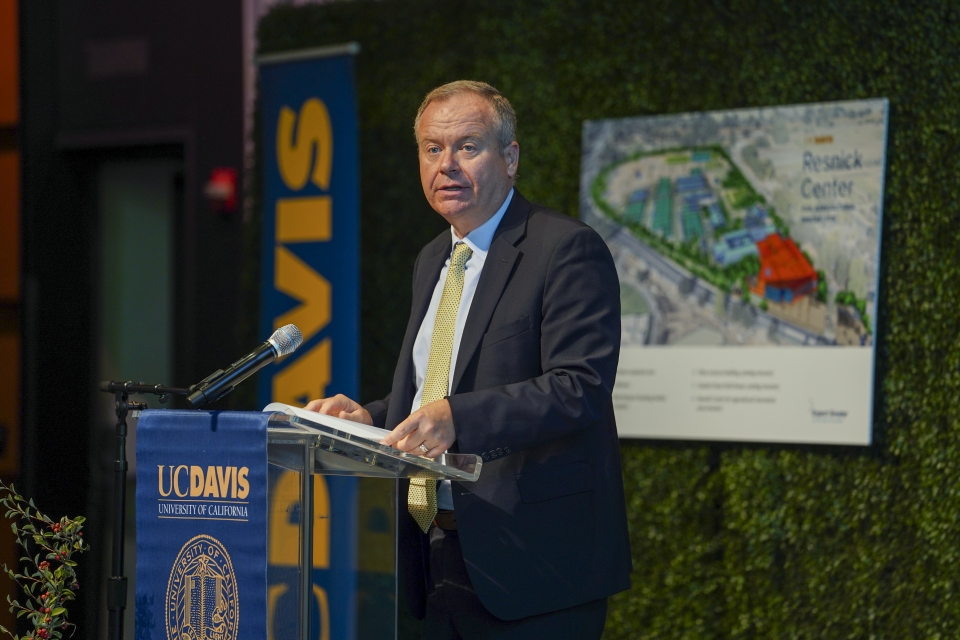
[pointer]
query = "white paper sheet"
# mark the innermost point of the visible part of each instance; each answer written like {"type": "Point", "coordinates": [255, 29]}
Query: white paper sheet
{"type": "Point", "coordinates": [353, 428]}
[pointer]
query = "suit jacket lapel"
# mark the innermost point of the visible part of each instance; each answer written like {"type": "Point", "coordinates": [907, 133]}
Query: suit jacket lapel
{"type": "Point", "coordinates": [496, 272]}
{"type": "Point", "coordinates": [428, 271]}
{"type": "Point", "coordinates": [427, 275]}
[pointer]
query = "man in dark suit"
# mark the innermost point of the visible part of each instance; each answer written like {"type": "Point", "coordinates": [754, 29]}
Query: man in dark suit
{"type": "Point", "coordinates": [510, 353]}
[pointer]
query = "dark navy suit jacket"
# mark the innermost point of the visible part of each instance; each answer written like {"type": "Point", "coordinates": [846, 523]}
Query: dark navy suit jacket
{"type": "Point", "coordinates": [544, 528]}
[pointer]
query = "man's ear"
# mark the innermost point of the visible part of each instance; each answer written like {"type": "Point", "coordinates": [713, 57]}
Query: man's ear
{"type": "Point", "coordinates": [512, 156]}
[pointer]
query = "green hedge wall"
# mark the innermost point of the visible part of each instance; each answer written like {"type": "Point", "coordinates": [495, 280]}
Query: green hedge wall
{"type": "Point", "coordinates": [729, 541]}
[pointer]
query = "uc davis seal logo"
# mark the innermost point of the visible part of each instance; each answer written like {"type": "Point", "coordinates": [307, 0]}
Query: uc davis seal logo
{"type": "Point", "coordinates": [202, 593]}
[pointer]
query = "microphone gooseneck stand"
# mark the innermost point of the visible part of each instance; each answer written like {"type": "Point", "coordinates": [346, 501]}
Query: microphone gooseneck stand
{"type": "Point", "coordinates": [117, 584]}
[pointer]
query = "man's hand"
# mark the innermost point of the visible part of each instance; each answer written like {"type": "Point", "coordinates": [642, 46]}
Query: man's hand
{"type": "Point", "coordinates": [431, 425]}
{"type": "Point", "coordinates": [340, 406]}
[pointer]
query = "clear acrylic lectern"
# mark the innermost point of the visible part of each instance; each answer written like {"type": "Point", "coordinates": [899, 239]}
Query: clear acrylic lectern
{"type": "Point", "coordinates": [305, 458]}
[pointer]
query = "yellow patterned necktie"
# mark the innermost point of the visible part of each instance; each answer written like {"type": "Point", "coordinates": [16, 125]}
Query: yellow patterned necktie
{"type": "Point", "coordinates": [422, 499]}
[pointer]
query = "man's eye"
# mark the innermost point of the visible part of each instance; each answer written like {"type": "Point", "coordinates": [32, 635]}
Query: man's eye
{"type": "Point", "coordinates": [433, 149]}
{"type": "Point", "coordinates": [469, 147]}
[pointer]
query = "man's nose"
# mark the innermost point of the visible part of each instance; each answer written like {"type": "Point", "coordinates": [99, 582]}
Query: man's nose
{"type": "Point", "coordinates": [448, 161]}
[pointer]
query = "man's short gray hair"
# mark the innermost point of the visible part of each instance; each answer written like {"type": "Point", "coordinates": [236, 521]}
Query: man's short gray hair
{"type": "Point", "coordinates": [504, 117]}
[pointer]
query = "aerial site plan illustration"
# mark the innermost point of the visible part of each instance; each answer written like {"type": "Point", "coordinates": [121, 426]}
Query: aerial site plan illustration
{"type": "Point", "coordinates": [748, 248]}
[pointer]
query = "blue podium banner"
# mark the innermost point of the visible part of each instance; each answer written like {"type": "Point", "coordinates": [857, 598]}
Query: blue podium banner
{"type": "Point", "coordinates": [311, 229]}
{"type": "Point", "coordinates": [201, 525]}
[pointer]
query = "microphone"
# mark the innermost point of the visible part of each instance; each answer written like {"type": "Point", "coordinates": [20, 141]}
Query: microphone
{"type": "Point", "coordinates": [219, 383]}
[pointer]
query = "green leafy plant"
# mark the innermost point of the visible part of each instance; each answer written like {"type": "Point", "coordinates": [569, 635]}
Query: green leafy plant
{"type": "Point", "coordinates": [49, 577]}
{"type": "Point", "coordinates": [821, 294]}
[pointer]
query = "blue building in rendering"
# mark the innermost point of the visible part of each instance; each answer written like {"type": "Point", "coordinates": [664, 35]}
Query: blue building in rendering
{"type": "Point", "coordinates": [757, 223]}
{"type": "Point", "coordinates": [733, 247]}
{"type": "Point", "coordinates": [636, 203]}
{"type": "Point", "coordinates": [663, 211]}
{"type": "Point", "coordinates": [715, 213]}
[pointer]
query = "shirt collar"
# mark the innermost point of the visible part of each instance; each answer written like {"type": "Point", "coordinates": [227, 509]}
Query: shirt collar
{"type": "Point", "coordinates": [480, 239]}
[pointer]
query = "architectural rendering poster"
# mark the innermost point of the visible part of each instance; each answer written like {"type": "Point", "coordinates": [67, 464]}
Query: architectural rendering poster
{"type": "Point", "coordinates": [748, 248]}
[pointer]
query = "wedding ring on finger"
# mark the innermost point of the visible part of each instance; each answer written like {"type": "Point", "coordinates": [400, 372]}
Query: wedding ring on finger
{"type": "Point", "coordinates": [424, 447]}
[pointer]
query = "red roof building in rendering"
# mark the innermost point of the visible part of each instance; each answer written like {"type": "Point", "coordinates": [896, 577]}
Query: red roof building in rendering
{"type": "Point", "coordinates": [785, 273]}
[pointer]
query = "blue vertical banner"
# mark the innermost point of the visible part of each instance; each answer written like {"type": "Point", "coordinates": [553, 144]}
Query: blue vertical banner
{"type": "Point", "coordinates": [311, 222]}
{"type": "Point", "coordinates": [310, 278]}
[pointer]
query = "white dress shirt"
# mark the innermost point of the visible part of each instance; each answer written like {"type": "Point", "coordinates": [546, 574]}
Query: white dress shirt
{"type": "Point", "coordinates": [479, 241]}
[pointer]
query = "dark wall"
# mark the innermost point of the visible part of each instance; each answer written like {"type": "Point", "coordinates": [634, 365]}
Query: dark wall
{"type": "Point", "coordinates": [165, 73]}
{"type": "Point", "coordinates": [729, 541]}
{"type": "Point", "coordinates": [106, 80]}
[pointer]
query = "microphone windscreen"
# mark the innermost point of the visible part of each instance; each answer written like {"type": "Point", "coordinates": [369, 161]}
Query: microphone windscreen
{"type": "Point", "coordinates": [286, 339]}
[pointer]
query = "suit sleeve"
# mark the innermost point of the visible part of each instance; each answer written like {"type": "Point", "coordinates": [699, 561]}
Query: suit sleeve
{"type": "Point", "coordinates": [378, 411]}
{"type": "Point", "coordinates": [579, 350]}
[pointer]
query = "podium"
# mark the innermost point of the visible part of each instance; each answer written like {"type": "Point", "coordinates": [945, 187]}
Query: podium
{"type": "Point", "coordinates": [301, 451]}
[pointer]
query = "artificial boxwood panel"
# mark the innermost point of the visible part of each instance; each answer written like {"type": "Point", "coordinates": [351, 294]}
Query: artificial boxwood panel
{"type": "Point", "coordinates": [729, 541]}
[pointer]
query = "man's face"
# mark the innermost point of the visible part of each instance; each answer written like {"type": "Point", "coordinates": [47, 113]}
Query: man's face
{"type": "Point", "coordinates": [464, 173]}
